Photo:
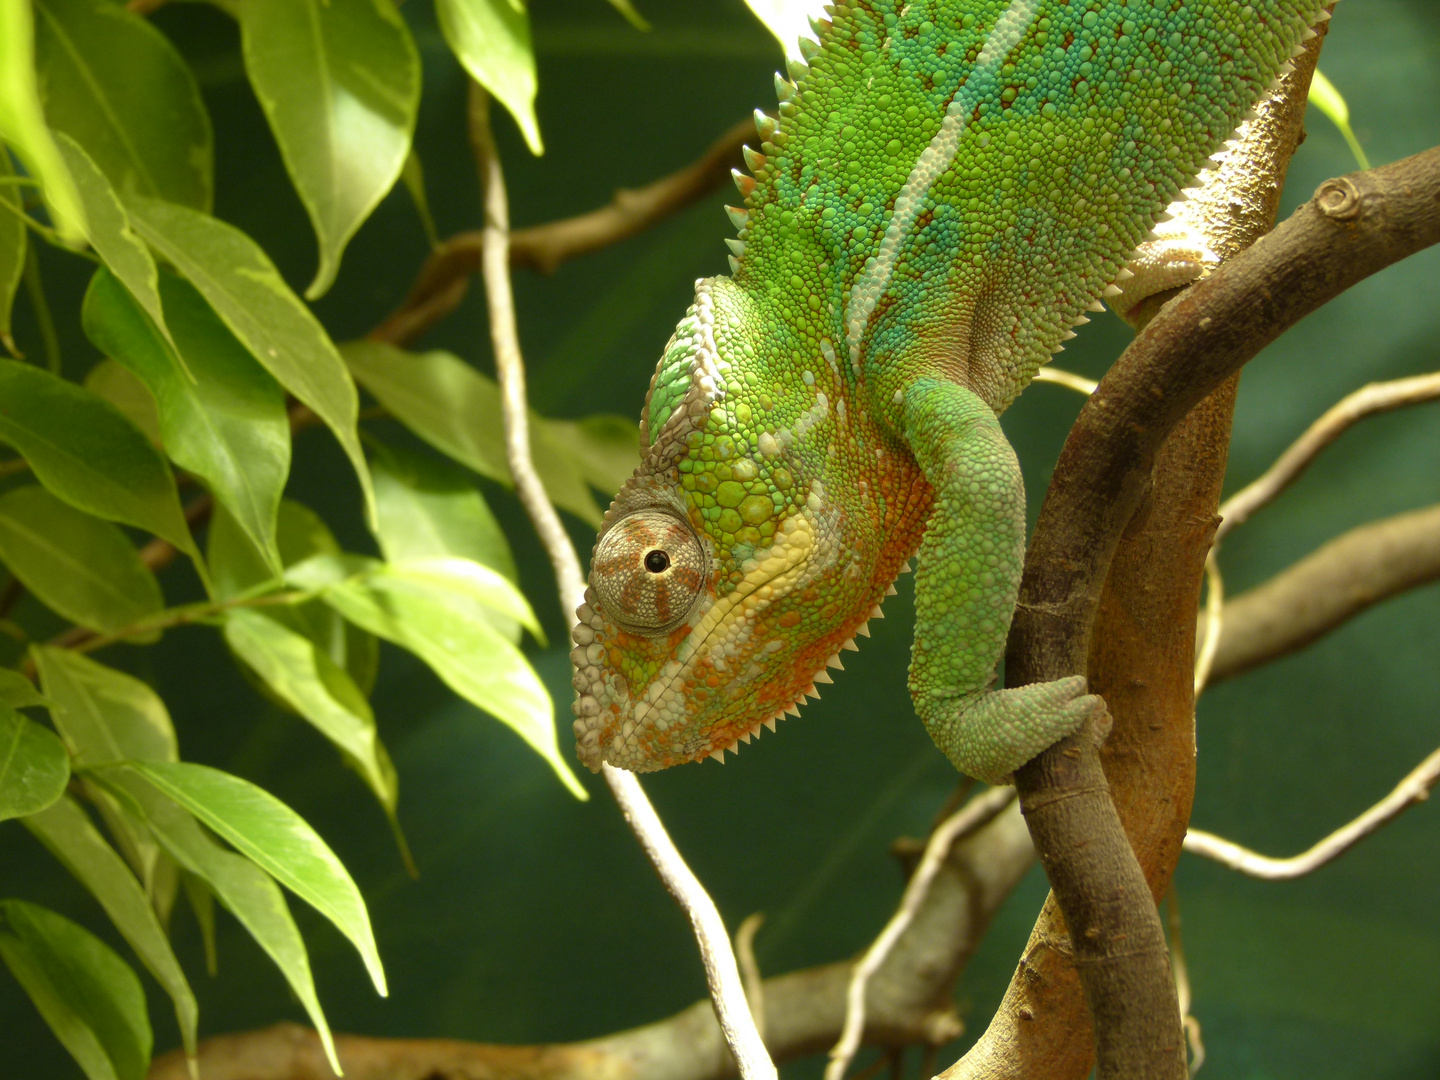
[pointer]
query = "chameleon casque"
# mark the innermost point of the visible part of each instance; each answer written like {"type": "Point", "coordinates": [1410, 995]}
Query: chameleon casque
{"type": "Point", "coordinates": [950, 186]}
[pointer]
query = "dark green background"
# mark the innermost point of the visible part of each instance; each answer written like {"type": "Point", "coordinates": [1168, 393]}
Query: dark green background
{"type": "Point", "coordinates": [535, 917]}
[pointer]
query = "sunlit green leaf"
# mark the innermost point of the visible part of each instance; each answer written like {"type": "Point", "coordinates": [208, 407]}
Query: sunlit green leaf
{"type": "Point", "coordinates": [227, 424]}
{"type": "Point", "coordinates": [109, 229]}
{"type": "Point", "coordinates": [17, 691]}
{"type": "Point", "coordinates": [1325, 97]}
{"type": "Point", "coordinates": [432, 610]}
{"type": "Point", "coordinates": [122, 388]}
{"type": "Point", "coordinates": [605, 448]}
{"type": "Point", "coordinates": [105, 715]}
{"type": "Point", "coordinates": [12, 244]}
{"type": "Point", "coordinates": [301, 535]}
{"type": "Point", "coordinates": [788, 20]}
{"type": "Point", "coordinates": [66, 830]}
{"type": "Point", "coordinates": [318, 689]}
{"type": "Point", "coordinates": [413, 176]}
{"type": "Point", "coordinates": [247, 891]}
{"type": "Point", "coordinates": [247, 292]}
{"type": "Point", "coordinates": [77, 565]}
{"type": "Point", "coordinates": [339, 81]}
{"type": "Point", "coordinates": [114, 83]}
{"type": "Point", "coordinates": [276, 839]}
{"type": "Point", "coordinates": [456, 409]}
{"type": "Point", "coordinates": [491, 38]}
{"type": "Point", "coordinates": [34, 767]}
{"type": "Point", "coordinates": [428, 509]}
{"type": "Point", "coordinates": [22, 121]}
{"type": "Point", "coordinates": [85, 451]}
{"type": "Point", "coordinates": [90, 998]}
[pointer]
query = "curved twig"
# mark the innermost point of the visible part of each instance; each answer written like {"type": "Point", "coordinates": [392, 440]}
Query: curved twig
{"type": "Point", "coordinates": [726, 989]}
{"type": "Point", "coordinates": [1415, 788]}
{"type": "Point", "coordinates": [1371, 400]}
{"type": "Point", "coordinates": [977, 812]}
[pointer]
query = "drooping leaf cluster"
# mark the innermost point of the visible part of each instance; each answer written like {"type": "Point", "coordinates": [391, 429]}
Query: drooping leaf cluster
{"type": "Point", "coordinates": [175, 436]}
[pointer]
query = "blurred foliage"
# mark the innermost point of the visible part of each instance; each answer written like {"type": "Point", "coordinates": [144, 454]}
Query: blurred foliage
{"type": "Point", "coordinates": [360, 596]}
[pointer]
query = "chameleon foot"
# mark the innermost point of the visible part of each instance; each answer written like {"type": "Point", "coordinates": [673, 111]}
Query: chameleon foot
{"type": "Point", "coordinates": [991, 734]}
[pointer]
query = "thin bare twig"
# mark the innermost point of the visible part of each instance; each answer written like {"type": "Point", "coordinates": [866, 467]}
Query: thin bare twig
{"type": "Point", "coordinates": [726, 989]}
{"type": "Point", "coordinates": [1078, 383]}
{"type": "Point", "coordinates": [977, 812]}
{"type": "Point", "coordinates": [1182, 982]}
{"type": "Point", "coordinates": [750, 968]}
{"type": "Point", "coordinates": [1415, 788]}
{"type": "Point", "coordinates": [1214, 620]}
{"type": "Point", "coordinates": [1369, 400]}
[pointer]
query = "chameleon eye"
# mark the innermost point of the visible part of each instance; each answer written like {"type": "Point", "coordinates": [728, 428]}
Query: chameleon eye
{"type": "Point", "coordinates": [648, 570]}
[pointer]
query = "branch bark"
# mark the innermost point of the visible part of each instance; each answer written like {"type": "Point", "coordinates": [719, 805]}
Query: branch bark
{"type": "Point", "coordinates": [1199, 340]}
{"type": "Point", "coordinates": [908, 1001]}
{"type": "Point", "coordinates": [444, 278]}
{"type": "Point", "coordinates": [1327, 588]}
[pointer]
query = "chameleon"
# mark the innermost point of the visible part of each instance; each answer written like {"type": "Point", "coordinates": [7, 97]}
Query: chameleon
{"type": "Point", "coordinates": [949, 187]}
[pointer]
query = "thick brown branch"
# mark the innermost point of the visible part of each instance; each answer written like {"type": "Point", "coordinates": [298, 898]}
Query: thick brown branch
{"type": "Point", "coordinates": [1332, 585]}
{"type": "Point", "coordinates": [446, 273]}
{"type": "Point", "coordinates": [908, 1001]}
{"type": "Point", "coordinates": [1353, 227]}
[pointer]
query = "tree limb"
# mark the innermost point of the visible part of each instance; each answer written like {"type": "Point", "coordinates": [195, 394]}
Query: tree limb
{"type": "Point", "coordinates": [1415, 788]}
{"type": "Point", "coordinates": [1328, 587]}
{"type": "Point", "coordinates": [445, 276]}
{"type": "Point", "coordinates": [908, 1001]}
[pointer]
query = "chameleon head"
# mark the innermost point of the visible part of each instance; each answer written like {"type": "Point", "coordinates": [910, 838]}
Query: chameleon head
{"type": "Point", "coordinates": [721, 582]}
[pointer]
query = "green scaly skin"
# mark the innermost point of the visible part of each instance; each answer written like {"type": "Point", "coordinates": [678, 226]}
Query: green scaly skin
{"type": "Point", "coordinates": [951, 185]}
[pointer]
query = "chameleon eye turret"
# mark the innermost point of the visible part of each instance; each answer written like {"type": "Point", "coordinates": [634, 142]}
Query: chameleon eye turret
{"type": "Point", "coordinates": [648, 570]}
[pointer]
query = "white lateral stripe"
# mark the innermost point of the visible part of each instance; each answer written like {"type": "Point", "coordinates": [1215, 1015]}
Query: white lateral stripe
{"type": "Point", "coordinates": [934, 160]}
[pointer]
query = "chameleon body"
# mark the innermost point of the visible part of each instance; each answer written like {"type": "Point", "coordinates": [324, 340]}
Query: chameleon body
{"type": "Point", "coordinates": [950, 186]}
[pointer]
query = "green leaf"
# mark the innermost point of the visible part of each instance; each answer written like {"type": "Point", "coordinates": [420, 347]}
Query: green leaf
{"type": "Point", "coordinates": [202, 904]}
{"type": "Point", "coordinates": [66, 830]}
{"type": "Point", "coordinates": [301, 535]}
{"type": "Point", "coordinates": [77, 565]}
{"type": "Point", "coordinates": [604, 447]}
{"type": "Point", "coordinates": [34, 767]}
{"type": "Point", "coordinates": [90, 998]}
{"type": "Point", "coordinates": [788, 20]}
{"type": "Point", "coordinates": [22, 122]}
{"type": "Point", "coordinates": [429, 509]}
{"type": "Point", "coordinates": [122, 388]}
{"type": "Point", "coordinates": [633, 17]}
{"type": "Point", "coordinates": [247, 891]}
{"type": "Point", "coordinates": [304, 676]}
{"type": "Point", "coordinates": [456, 409]}
{"type": "Point", "coordinates": [86, 452]}
{"type": "Point", "coordinates": [12, 244]}
{"type": "Point", "coordinates": [110, 233]}
{"type": "Point", "coordinates": [114, 83]}
{"type": "Point", "coordinates": [227, 425]}
{"type": "Point", "coordinates": [413, 176]}
{"type": "Point", "coordinates": [105, 715]}
{"type": "Point", "coordinates": [276, 839]}
{"type": "Point", "coordinates": [17, 691]}
{"type": "Point", "coordinates": [247, 292]}
{"type": "Point", "coordinates": [438, 612]}
{"type": "Point", "coordinates": [1325, 97]}
{"type": "Point", "coordinates": [491, 38]}
{"type": "Point", "coordinates": [339, 81]}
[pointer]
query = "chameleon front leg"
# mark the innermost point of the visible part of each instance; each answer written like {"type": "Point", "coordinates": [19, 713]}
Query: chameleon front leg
{"type": "Point", "coordinates": [965, 592]}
